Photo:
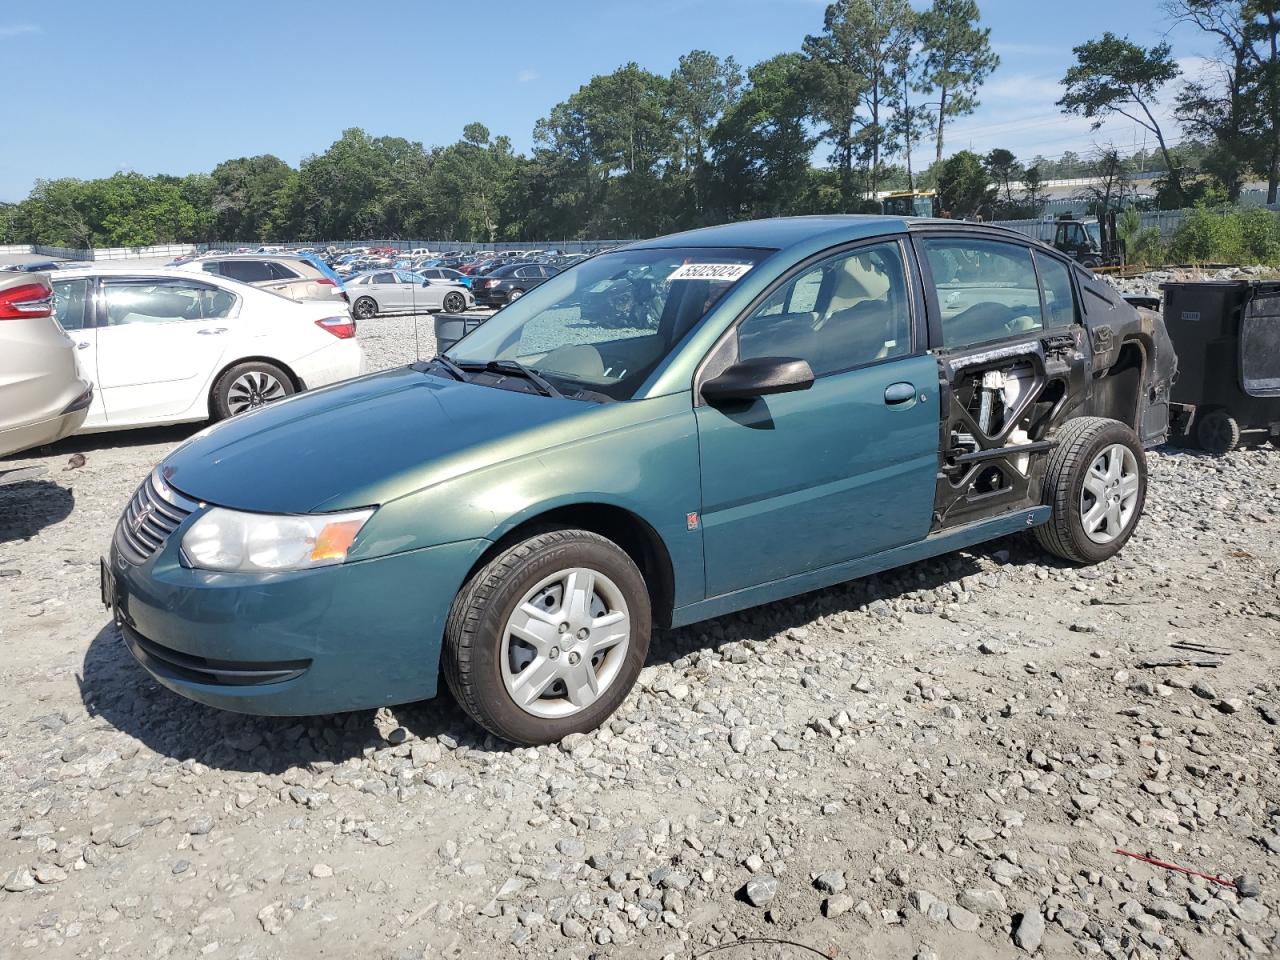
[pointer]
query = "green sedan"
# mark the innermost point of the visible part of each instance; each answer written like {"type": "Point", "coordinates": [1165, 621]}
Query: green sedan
{"type": "Point", "coordinates": [662, 434]}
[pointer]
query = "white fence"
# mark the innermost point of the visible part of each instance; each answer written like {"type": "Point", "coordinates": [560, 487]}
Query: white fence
{"type": "Point", "coordinates": [99, 253]}
{"type": "Point", "coordinates": [435, 246]}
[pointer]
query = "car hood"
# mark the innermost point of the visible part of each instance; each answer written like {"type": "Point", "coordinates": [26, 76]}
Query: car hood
{"type": "Point", "coordinates": [359, 443]}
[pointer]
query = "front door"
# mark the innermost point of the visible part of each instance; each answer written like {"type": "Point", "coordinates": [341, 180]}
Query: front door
{"type": "Point", "coordinates": [799, 481]}
{"type": "Point", "coordinates": [158, 340]}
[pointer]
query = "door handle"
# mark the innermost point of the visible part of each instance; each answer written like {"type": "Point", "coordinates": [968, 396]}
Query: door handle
{"type": "Point", "coordinates": [896, 393]}
{"type": "Point", "coordinates": [83, 345]}
{"type": "Point", "coordinates": [210, 331]}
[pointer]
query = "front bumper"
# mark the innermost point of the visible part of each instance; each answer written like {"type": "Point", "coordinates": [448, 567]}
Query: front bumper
{"type": "Point", "coordinates": [347, 637]}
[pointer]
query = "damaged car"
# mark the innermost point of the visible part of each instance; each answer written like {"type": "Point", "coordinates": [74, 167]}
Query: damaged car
{"type": "Point", "coordinates": [767, 408]}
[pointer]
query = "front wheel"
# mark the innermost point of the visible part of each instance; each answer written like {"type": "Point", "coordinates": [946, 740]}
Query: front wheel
{"type": "Point", "coordinates": [454, 303]}
{"type": "Point", "coordinates": [1096, 483]}
{"type": "Point", "coordinates": [547, 639]}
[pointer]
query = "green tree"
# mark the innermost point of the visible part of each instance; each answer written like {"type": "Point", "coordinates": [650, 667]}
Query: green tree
{"type": "Point", "coordinates": [1217, 113]}
{"type": "Point", "coordinates": [245, 193]}
{"type": "Point", "coordinates": [1033, 190]}
{"type": "Point", "coordinates": [958, 59]}
{"type": "Point", "coordinates": [616, 135]}
{"type": "Point", "coordinates": [910, 119]}
{"type": "Point", "coordinates": [964, 186]}
{"type": "Point", "coordinates": [761, 147]}
{"type": "Point", "coordinates": [1114, 75]}
{"type": "Point", "coordinates": [853, 62]}
{"type": "Point", "coordinates": [1004, 170]}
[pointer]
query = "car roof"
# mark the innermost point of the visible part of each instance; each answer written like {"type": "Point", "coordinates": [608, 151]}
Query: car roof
{"type": "Point", "coordinates": [164, 273]}
{"type": "Point", "coordinates": [780, 233]}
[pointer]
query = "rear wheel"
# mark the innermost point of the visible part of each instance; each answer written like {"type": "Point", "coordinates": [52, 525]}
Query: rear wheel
{"type": "Point", "coordinates": [516, 295]}
{"type": "Point", "coordinates": [1217, 432]}
{"type": "Point", "coordinates": [548, 638]}
{"type": "Point", "coordinates": [454, 302]}
{"type": "Point", "coordinates": [365, 308]}
{"type": "Point", "coordinates": [1096, 483]}
{"type": "Point", "coordinates": [247, 386]}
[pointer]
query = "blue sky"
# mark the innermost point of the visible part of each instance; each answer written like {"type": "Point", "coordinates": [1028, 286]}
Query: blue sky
{"type": "Point", "coordinates": [177, 87]}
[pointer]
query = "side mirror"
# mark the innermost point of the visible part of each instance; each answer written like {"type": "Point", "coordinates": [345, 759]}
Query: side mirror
{"type": "Point", "coordinates": [759, 377]}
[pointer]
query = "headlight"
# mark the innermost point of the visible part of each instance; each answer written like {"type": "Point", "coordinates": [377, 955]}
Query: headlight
{"type": "Point", "coordinates": [228, 540]}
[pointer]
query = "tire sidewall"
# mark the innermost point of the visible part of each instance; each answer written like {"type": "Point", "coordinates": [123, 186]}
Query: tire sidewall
{"type": "Point", "coordinates": [222, 389]}
{"type": "Point", "coordinates": [501, 714]}
{"type": "Point", "coordinates": [453, 298]}
{"type": "Point", "coordinates": [1090, 551]}
{"type": "Point", "coordinates": [365, 308]}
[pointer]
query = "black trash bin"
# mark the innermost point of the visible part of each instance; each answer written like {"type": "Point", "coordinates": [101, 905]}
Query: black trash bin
{"type": "Point", "coordinates": [1227, 336]}
{"type": "Point", "coordinates": [452, 327]}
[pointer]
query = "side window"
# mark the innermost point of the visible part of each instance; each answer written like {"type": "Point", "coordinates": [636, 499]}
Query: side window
{"type": "Point", "coordinates": [383, 278]}
{"type": "Point", "coordinates": [280, 272]}
{"type": "Point", "coordinates": [843, 312]}
{"type": "Point", "coordinates": [69, 299]}
{"type": "Point", "coordinates": [983, 289]}
{"type": "Point", "coordinates": [1055, 280]}
{"type": "Point", "coordinates": [211, 267]}
{"type": "Point", "coordinates": [163, 301]}
{"type": "Point", "coordinates": [247, 271]}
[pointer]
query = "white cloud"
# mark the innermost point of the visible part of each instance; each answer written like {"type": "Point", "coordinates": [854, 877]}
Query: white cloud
{"type": "Point", "coordinates": [527, 76]}
{"type": "Point", "coordinates": [19, 29]}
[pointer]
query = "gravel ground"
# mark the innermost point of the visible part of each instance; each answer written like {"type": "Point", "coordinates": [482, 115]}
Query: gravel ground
{"type": "Point", "coordinates": [939, 762]}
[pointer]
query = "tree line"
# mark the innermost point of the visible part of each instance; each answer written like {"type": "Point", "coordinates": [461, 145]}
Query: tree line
{"type": "Point", "coordinates": [638, 153]}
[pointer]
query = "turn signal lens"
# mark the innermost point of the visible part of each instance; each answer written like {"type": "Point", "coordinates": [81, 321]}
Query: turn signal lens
{"type": "Point", "coordinates": [335, 540]}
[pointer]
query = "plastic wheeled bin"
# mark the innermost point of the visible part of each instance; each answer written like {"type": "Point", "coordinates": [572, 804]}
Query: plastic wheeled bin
{"type": "Point", "coordinates": [1227, 336]}
{"type": "Point", "coordinates": [452, 327]}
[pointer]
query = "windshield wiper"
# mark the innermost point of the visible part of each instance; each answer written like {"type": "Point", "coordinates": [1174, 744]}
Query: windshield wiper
{"type": "Point", "coordinates": [544, 385]}
{"type": "Point", "coordinates": [454, 370]}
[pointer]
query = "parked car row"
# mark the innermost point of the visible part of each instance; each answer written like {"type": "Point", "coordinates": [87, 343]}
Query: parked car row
{"type": "Point", "coordinates": [95, 348]}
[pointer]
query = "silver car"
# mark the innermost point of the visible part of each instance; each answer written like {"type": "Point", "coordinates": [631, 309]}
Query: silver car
{"type": "Point", "coordinates": [43, 396]}
{"type": "Point", "coordinates": [292, 277]}
{"type": "Point", "coordinates": [400, 291]}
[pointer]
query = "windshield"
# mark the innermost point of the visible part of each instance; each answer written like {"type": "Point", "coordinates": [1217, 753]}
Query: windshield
{"type": "Point", "coordinates": [606, 324]}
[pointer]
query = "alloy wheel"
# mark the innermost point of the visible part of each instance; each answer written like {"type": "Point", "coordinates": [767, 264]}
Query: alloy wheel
{"type": "Point", "coordinates": [1110, 493]}
{"type": "Point", "coordinates": [253, 389]}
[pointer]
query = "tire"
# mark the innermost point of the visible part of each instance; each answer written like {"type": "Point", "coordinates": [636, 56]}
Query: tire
{"type": "Point", "coordinates": [1091, 263]}
{"type": "Point", "coordinates": [1069, 482]}
{"type": "Point", "coordinates": [481, 651]}
{"type": "Point", "coordinates": [1217, 432]}
{"type": "Point", "coordinates": [247, 386]}
{"type": "Point", "coordinates": [365, 308]}
{"type": "Point", "coordinates": [454, 303]}
{"type": "Point", "coordinates": [515, 295]}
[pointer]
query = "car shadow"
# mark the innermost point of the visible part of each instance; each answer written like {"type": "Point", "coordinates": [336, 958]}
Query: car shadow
{"type": "Point", "coordinates": [758, 623]}
{"type": "Point", "coordinates": [114, 687]}
{"type": "Point", "coordinates": [29, 506]}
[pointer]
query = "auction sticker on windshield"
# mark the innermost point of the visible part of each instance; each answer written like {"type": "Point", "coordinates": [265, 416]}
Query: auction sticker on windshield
{"type": "Point", "coordinates": [710, 271]}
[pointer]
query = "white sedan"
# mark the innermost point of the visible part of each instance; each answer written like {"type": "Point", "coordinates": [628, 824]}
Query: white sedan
{"type": "Point", "coordinates": [164, 346]}
{"type": "Point", "coordinates": [397, 291]}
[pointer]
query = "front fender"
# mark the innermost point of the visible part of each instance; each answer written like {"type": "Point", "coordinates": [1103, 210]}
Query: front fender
{"type": "Point", "coordinates": [648, 468]}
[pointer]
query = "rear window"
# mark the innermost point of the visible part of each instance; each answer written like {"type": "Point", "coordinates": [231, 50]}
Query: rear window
{"type": "Point", "coordinates": [248, 271]}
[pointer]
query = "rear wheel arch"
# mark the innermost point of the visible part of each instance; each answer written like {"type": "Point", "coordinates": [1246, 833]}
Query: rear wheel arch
{"type": "Point", "coordinates": [636, 536]}
{"type": "Point", "coordinates": [1118, 391]}
{"type": "Point", "coordinates": [294, 379]}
